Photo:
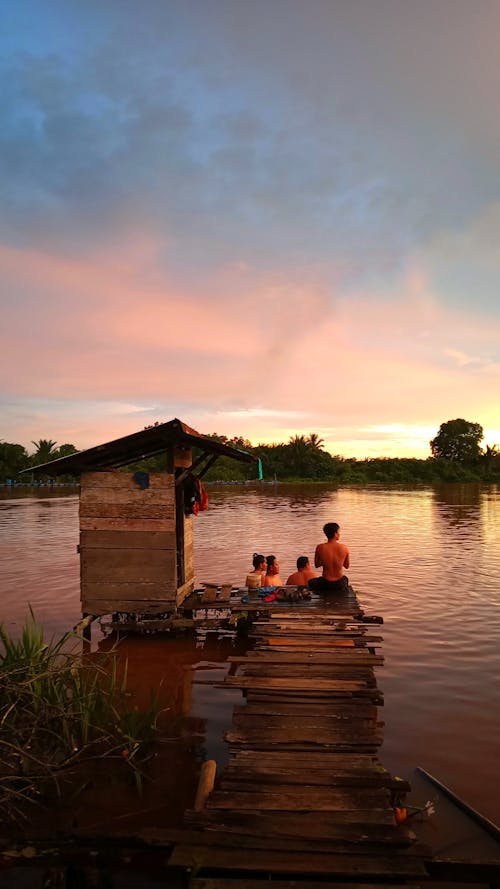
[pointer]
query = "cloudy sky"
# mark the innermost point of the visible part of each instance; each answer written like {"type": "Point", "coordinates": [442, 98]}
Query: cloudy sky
{"type": "Point", "coordinates": [266, 218]}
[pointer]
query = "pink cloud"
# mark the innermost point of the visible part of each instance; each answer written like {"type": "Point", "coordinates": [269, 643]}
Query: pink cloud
{"type": "Point", "coordinates": [117, 331]}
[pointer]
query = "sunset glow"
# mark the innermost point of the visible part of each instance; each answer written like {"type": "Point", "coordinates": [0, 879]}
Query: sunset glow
{"type": "Point", "coordinates": [265, 219]}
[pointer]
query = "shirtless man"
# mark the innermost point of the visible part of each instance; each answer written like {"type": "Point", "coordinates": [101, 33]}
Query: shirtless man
{"type": "Point", "coordinates": [303, 574]}
{"type": "Point", "coordinates": [333, 557]}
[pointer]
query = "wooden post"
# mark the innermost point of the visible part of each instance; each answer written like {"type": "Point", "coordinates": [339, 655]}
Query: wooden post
{"type": "Point", "coordinates": [84, 627]}
{"type": "Point", "coordinates": [205, 784]}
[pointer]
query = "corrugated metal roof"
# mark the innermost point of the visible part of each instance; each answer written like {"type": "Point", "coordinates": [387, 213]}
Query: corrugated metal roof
{"type": "Point", "coordinates": [137, 446]}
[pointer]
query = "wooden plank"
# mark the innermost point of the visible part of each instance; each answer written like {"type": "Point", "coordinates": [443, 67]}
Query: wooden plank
{"type": "Point", "coordinates": [147, 605]}
{"type": "Point", "coordinates": [130, 592]}
{"type": "Point", "coordinates": [185, 590]}
{"type": "Point", "coordinates": [128, 497]}
{"type": "Point", "coordinates": [304, 645]}
{"type": "Point", "coordinates": [198, 857]}
{"type": "Point", "coordinates": [326, 759]}
{"type": "Point", "coordinates": [307, 671]}
{"type": "Point", "coordinates": [144, 540]}
{"type": "Point", "coordinates": [306, 625]}
{"type": "Point", "coordinates": [248, 721]}
{"type": "Point", "coordinates": [218, 838]}
{"type": "Point", "coordinates": [234, 778]}
{"type": "Point", "coordinates": [306, 825]}
{"type": "Point", "coordinates": [300, 745]}
{"type": "Point", "coordinates": [317, 798]}
{"type": "Point", "coordinates": [127, 512]}
{"type": "Point", "coordinates": [294, 684]}
{"type": "Point", "coordinates": [134, 565]}
{"type": "Point", "coordinates": [126, 524]}
{"type": "Point", "coordinates": [299, 631]}
{"type": "Point", "coordinates": [310, 609]}
{"type": "Point", "coordinates": [119, 480]}
{"type": "Point", "coordinates": [343, 710]}
{"type": "Point", "coordinates": [360, 657]}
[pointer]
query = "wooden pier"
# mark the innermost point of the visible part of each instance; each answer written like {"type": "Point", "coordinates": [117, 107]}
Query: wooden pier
{"type": "Point", "coordinates": [304, 799]}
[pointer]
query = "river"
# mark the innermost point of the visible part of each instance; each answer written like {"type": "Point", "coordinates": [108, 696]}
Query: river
{"type": "Point", "coordinates": [427, 560]}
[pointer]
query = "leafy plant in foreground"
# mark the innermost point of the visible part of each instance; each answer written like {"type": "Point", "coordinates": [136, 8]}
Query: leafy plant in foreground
{"type": "Point", "coordinates": [59, 710]}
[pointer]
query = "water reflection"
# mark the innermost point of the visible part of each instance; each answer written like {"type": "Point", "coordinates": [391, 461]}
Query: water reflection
{"type": "Point", "coordinates": [427, 559]}
{"type": "Point", "coordinates": [458, 504]}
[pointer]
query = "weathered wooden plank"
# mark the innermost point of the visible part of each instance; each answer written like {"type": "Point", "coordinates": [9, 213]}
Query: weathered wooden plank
{"type": "Point", "coordinates": [295, 684]}
{"type": "Point", "coordinates": [115, 478]}
{"type": "Point", "coordinates": [316, 826]}
{"type": "Point", "coordinates": [299, 631]}
{"type": "Point", "coordinates": [212, 857]}
{"type": "Point", "coordinates": [234, 778]}
{"type": "Point", "coordinates": [327, 759]}
{"type": "Point", "coordinates": [126, 524]}
{"type": "Point", "coordinates": [311, 626]}
{"type": "Point", "coordinates": [248, 721]}
{"type": "Point", "coordinates": [117, 540]}
{"type": "Point", "coordinates": [284, 798]}
{"type": "Point", "coordinates": [360, 657]}
{"type": "Point", "coordinates": [185, 590]}
{"type": "Point", "coordinates": [128, 497]}
{"type": "Point", "coordinates": [310, 613]}
{"type": "Point", "coordinates": [129, 566]}
{"type": "Point", "coordinates": [305, 645]}
{"type": "Point", "coordinates": [219, 838]}
{"type": "Point", "coordinates": [322, 671]}
{"type": "Point", "coordinates": [343, 711]}
{"type": "Point", "coordinates": [368, 838]}
{"type": "Point", "coordinates": [306, 698]}
{"type": "Point", "coordinates": [130, 592]}
{"type": "Point", "coordinates": [147, 605]}
{"type": "Point", "coordinates": [301, 745]}
{"type": "Point", "coordinates": [317, 798]}
{"type": "Point", "coordinates": [129, 512]}
{"type": "Point", "coordinates": [307, 824]}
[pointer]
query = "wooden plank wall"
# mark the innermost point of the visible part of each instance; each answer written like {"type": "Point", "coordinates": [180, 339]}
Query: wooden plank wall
{"type": "Point", "coordinates": [127, 543]}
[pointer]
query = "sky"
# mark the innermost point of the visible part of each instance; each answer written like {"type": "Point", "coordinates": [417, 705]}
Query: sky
{"type": "Point", "coordinates": [266, 219]}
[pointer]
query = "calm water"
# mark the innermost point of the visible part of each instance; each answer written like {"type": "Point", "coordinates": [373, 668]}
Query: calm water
{"type": "Point", "coordinates": [427, 560]}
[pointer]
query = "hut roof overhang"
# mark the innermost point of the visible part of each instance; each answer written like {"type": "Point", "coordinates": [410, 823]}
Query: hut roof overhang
{"type": "Point", "coordinates": [146, 443]}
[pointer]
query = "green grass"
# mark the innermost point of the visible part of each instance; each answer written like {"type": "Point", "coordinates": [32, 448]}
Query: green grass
{"type": "Point", "coordinates": [60, 710]}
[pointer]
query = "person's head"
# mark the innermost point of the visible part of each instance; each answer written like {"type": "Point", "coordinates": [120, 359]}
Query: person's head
{"type": "Point", "coordinates": [330, 530]}
{"type": "Point", "coordinates": [258, 562]}
{"type": "Point", "coordinates": [302, 562]}
{"type": "Point", "coordinates": [272, 565]}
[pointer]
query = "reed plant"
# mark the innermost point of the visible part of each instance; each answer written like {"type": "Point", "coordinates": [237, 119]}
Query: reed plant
{"type": "Point", "coordinates": [60, 710]}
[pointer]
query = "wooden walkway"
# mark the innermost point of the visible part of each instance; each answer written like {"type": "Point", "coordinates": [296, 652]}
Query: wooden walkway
{"type": "Point", "coordinates": [304, 800]}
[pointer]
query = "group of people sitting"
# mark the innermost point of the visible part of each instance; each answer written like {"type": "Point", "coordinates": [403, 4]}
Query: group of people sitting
{"type": "Point", "coordinates": [332, 556]}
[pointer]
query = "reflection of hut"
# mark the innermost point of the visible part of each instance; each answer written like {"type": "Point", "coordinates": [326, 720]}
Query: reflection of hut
{"type": "Point", "coordinates": [136, 538]}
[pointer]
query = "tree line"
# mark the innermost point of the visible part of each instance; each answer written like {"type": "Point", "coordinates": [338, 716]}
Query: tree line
{"type": "Point", "coordinates": [14, 457]}
{"type": "Point", "coordinates": [456, 456]}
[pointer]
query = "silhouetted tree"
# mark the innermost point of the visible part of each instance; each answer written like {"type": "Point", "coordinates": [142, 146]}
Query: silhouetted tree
{"type": "Point", "coordinates": [458, 440]}
{"type": "Point", "coordinates": [315, 441]}
{"type": "Point", "coordinates": [44, 451]}
{"type": "Point", "coordinates": [13, 458]}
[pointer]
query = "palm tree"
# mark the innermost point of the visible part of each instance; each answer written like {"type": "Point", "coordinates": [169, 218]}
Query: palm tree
{"type": "Point", "coordinates": [490, 455]}
{"type": "Point", "coordinates": [315, 441]}
{"type": "Point", "coordinates": [44, 451]}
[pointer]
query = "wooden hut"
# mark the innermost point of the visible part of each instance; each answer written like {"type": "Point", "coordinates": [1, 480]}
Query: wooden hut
{"type": "Point", "coordinates": [136, 533]}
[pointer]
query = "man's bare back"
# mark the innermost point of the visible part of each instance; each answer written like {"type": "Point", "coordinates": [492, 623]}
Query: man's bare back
{"type": "Point", "coordinates": [332, 557]}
